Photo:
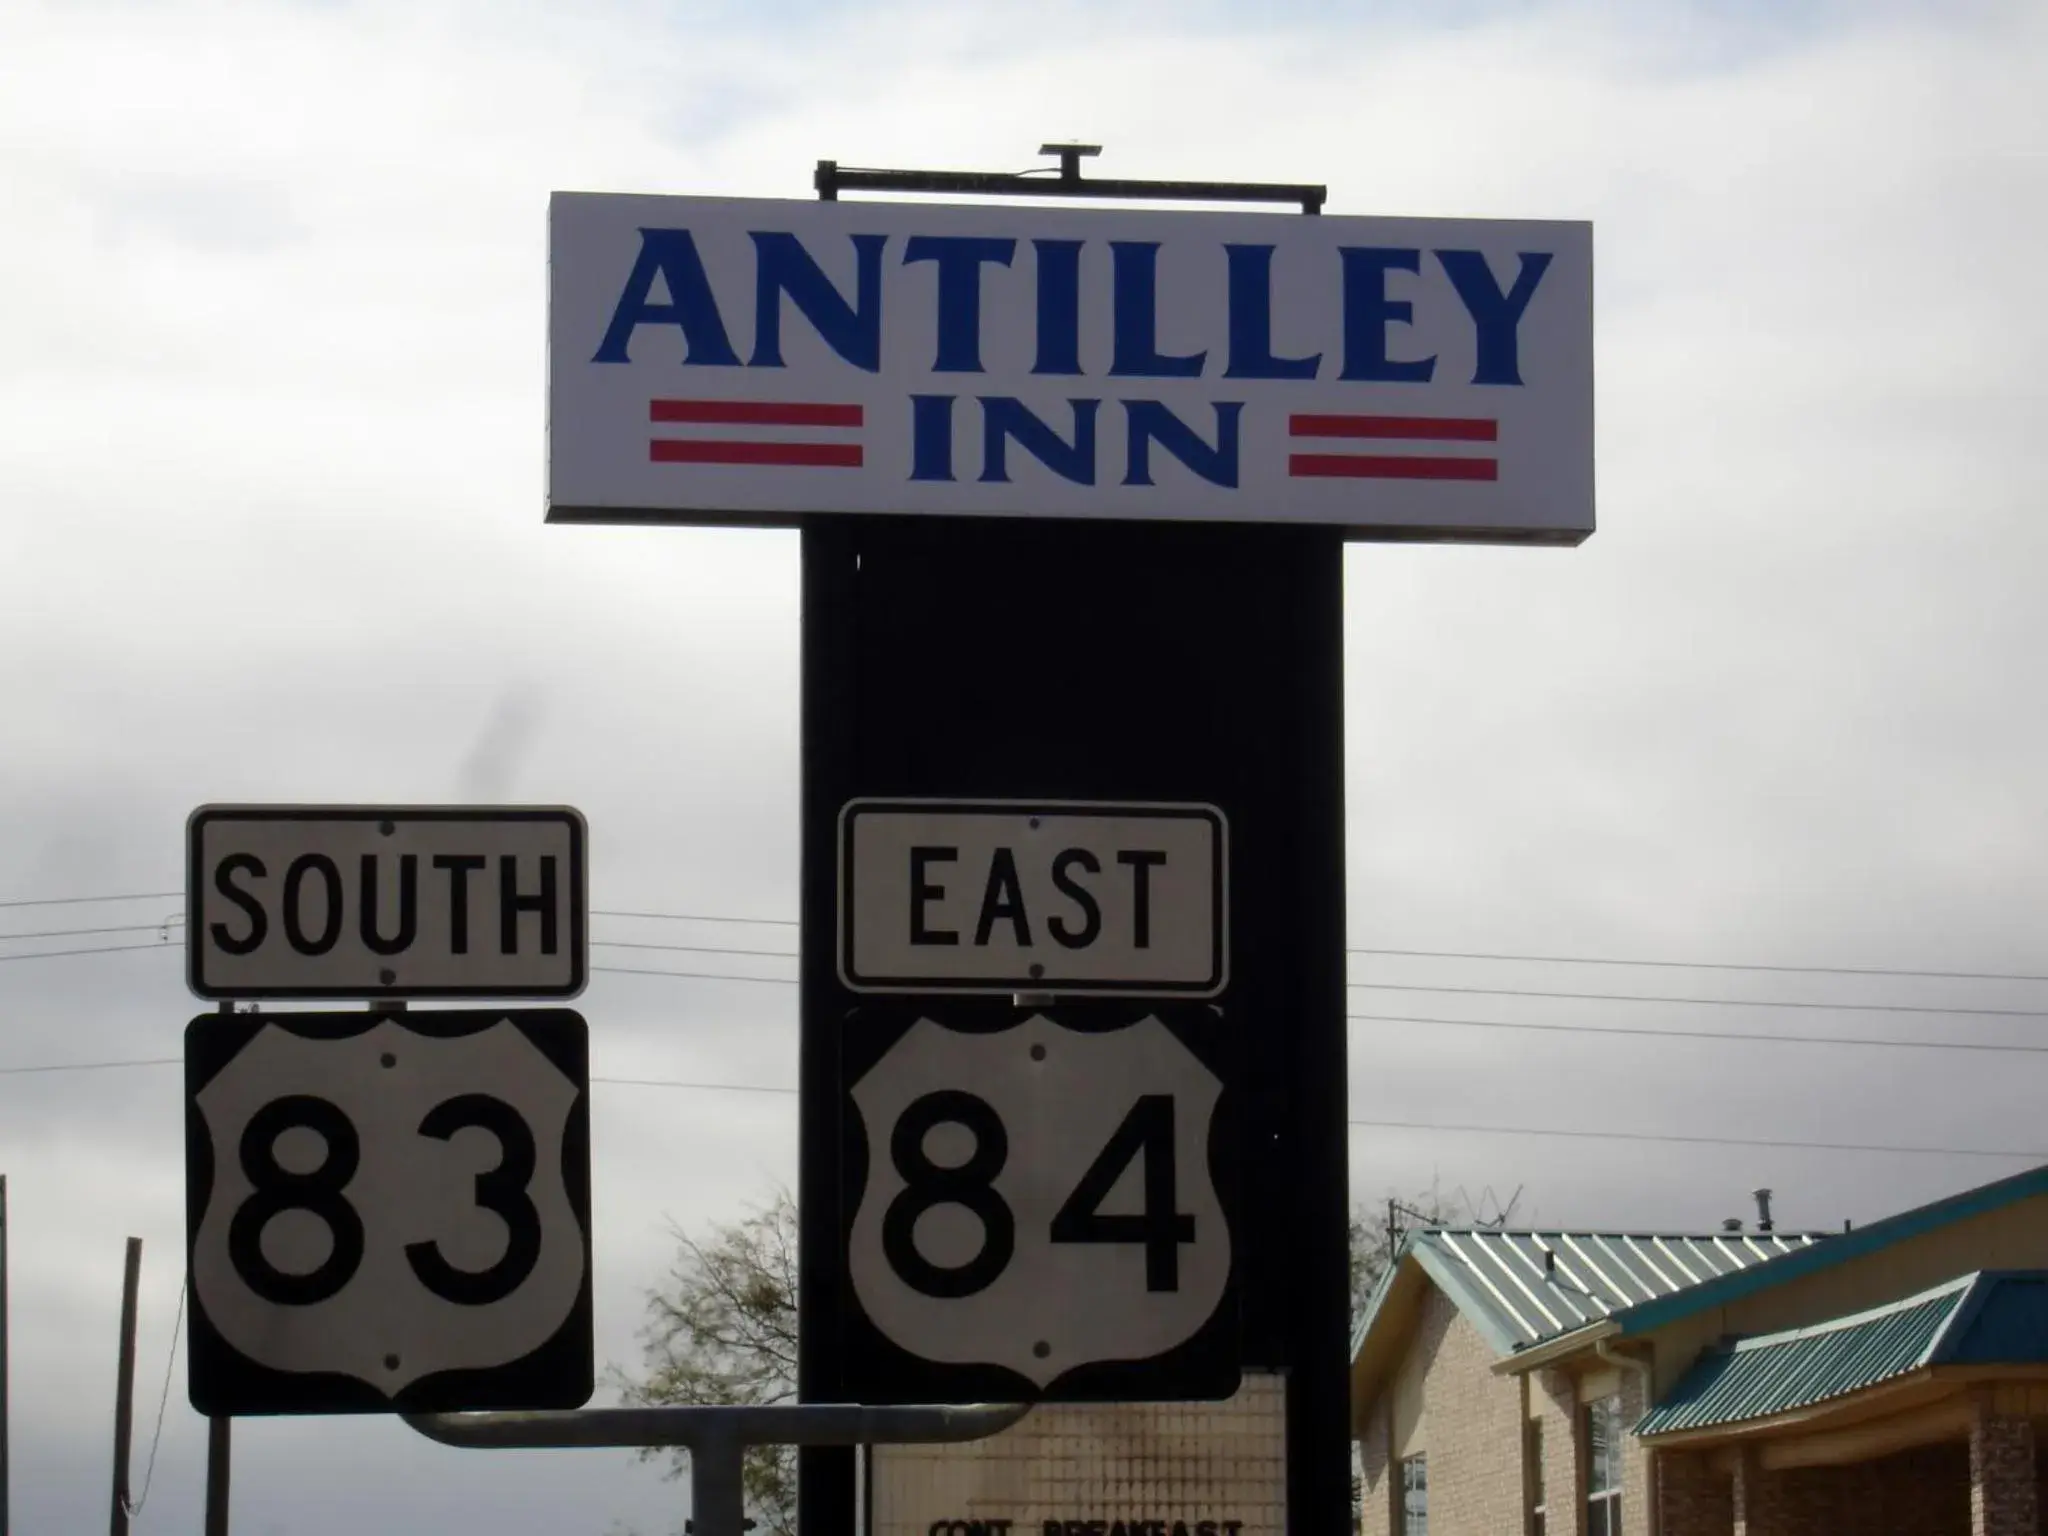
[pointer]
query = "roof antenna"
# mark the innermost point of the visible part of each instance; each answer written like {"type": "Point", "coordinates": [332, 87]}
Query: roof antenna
{"type": "Point", "coordinates": [1763, 1209]}
{"type": "Point", "coordinates": [1731, 1223]}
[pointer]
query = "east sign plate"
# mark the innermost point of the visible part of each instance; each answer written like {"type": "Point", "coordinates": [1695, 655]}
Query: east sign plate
{"type": "Point", "coordinates": [739, 360]}
{"type": "Point", "coordinates": [1009, 896]}
{"type": "Point", "coordinates": [388, 1212]}
{"type": "Point", "coordinates": [386, 901]}
{"type": "Point", "coordinates": [1039, 1204]}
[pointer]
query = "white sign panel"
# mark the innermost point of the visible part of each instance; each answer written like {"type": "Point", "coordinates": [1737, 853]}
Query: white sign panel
{"type": "Point", "coordinates": [387, 1201]}
{"type": "Point", "coordinates": [1100, 1469]}
{"type": "Point", "coordinates": [730, 360]}
{"type": "Point", "coordinates": [392, 901]}
{"type": "Point", "coordinates": [970, 896]}
{"type": "Point", "coordinates": [1051, 1206]}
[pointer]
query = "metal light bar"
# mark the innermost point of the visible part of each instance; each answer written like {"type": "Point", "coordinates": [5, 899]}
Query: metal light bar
{"type": "Point", "coordinates": [833, 178]}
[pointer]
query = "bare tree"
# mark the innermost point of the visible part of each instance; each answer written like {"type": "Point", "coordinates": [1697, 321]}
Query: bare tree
{"type": "Point", "coordinates": [722, 1329]}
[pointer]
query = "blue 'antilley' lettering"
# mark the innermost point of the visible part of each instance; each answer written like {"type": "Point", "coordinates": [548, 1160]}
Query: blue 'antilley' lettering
{"type": "Point", "coordinates": [1496, 316]}
{"type": "Point", "coordinates": [671, 256]}
{"type": "Point", "coordinates": [959, 259]}
{"type": "Point", "coordinates": [854, 331]}
{"type": "Point", "coordinates": [1376, 293]}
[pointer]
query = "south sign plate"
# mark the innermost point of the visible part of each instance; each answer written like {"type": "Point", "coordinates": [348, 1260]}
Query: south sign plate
{"type": "Point", "coordinates": [753, 361]}
{"type": "Point", "coordinates": [388, 1212]}
{"type": "Point", "coordinates": [1039, 1204]}
{"type": "Point", "coordinates": [317, 901]}
{"type": "Point", "coordinates": [1013, 896]}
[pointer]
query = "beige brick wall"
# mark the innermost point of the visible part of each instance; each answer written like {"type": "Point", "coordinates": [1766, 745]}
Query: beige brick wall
{"type": "Point", "coordinates": [2003, 1490]}
{"type": "Point", "coordinates": [1469, 1421]}
{"type": "Point", "coordinates": [1554, 1401]}
{"type": "Point", "coordinates": [1695, 1498]}
{"type": "Point", "coordinates": [1921, 1492]}
{"type": "Point", "coordinates": [1375, 1460]}
{"type": "Point", "coordinates": [1470, 1429]}
{"type": "Point", "coordinates": [1636, 1470]}
{"type": "Point", "coordinates": [1115, 1469]}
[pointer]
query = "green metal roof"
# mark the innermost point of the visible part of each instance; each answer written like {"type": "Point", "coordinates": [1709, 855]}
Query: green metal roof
{"type": "Point", "coordinates": [1990, 1317]}
{"type": "Point", "coordinates": [1524, 1288]}
{"type": "Point", "coordinates": [1651, 1315]}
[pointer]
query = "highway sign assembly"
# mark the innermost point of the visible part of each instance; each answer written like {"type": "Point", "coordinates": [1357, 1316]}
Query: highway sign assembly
{"type": "Point", "coordinates": [1039, 1204]}
{"type": "Point", "coordinates": [388, 1211]}
{"type": "Point", "coordinates": [386, 902]}
{"type": "Point", "coordinates": [1074, 487]}
{"type": "Point", "coordinates": [960, 896]}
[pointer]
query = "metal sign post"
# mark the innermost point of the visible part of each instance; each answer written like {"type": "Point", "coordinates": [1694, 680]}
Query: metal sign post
{"type": "Point", "coordinates": [1155, 664]}
{"type": "Point", "coordinates": [717, 1438]}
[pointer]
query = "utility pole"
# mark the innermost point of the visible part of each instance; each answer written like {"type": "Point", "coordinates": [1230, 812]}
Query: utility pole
{"type": "Point", "coordinates": [124, 1390]}
{"type": "Point", "coordinates": [218, 1446]}
{"type": "Point", "coordinates": [6, 1430]}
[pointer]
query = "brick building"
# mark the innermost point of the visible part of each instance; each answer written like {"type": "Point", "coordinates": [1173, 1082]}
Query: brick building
{"type": "Point", "coordinates": [1887, 1381]}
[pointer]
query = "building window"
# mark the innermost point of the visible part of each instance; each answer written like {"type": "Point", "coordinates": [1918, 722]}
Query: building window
{"type": "Point", "coordinates": [1536, 1498]}
{"type": "Point", "coordinates": [1414, 1497]}
{"type": "Point", "coordinates": [1603, 1467]}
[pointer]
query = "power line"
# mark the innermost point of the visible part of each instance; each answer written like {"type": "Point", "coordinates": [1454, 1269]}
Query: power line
{"type": "Point", "coordinates": [698, 917]}
{"type": "Point", "coordinates": [93, 1066]}
{"type": "Point", "coordinates": [1425, 954]}
{"type": "Point", "coordinates": [1600, 997]}
{"type": "Point", "coordinates": [134, 1506]}
{"type": "Point", "coordinates": [1700, 1141]}
{"type": "Point", "coordinates": [697, 949]}
{"type": "Point", "coordinates": [78, 901]}
{"type": "Point", "coordinates": [628, 970]}
{"type": "Point", "coordinates": [1458, 954]}
{"type": "Point", "coordinates": [101, 949]}
{"type": "Point", "coordinates": [1578, 1029]}
{"type": "Point", "coordinates": [81, 933]}
{"type": "Point", "coordinates": [1487, 1130]}
{"type": "Point", "coordinates": [1388, 1125]}
{"type": "Point", "coordinates": [667, 1082]}
{"type": "Point", "coordinates": [1704, 1002]}
{"type": "Point", "coordinates": [1704, 1034]}
{"type": "Point", "coordinates": [1702, 965]}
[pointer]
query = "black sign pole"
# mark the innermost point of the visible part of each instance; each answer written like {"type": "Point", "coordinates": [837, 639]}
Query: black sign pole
{"type": "Point", "coordinates": [1050, 659]}
{"type": "Point", "coordinates": [825, 1474]}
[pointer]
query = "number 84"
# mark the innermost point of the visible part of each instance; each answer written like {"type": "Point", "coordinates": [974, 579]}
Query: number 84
{"type": "Point", "coordinates": [1146, 1132]}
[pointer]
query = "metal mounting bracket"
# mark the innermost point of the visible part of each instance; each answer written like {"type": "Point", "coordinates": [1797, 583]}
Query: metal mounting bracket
{"type": "Point", "coordinates": [717, 1437]}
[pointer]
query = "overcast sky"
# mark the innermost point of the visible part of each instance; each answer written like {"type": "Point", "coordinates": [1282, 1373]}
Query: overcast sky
{"type": "Point", "coordinates": [271, 320]}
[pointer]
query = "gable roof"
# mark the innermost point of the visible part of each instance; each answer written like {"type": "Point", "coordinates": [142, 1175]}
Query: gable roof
{"type": "Point", "coordinates": [1989, 1317]}
{"type": "Point", "coordinates": [1838, 1249]}
{"type": "Point", "coordinates": [1519, 1299]}
{"type": "Point", "coordinates": [1521, 1289]}
{"type": "Point", "coordinates": [1480, 1270]}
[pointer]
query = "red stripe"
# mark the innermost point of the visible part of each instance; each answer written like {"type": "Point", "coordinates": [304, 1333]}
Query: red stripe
{"type": "Point", "coordinates": [665, 450]}
{"type": "Point", "coordinates": [1434, 429]}
{"type": "Point", "coordinates": [1366, 466]}
{"type": "Point", "coordinates": [755, 413]}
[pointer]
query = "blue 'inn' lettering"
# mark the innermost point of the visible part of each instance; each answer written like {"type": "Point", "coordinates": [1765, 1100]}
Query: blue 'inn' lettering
{"type": "Point", "coordinates": [1375, 324]}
